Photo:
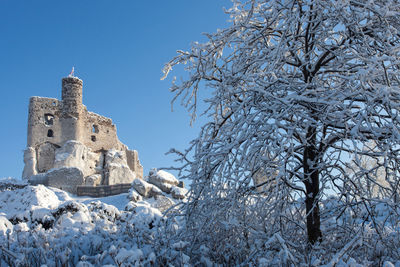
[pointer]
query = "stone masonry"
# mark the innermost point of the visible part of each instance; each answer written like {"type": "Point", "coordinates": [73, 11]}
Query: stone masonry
{"type": "Point", "coordinates": [64, 134]}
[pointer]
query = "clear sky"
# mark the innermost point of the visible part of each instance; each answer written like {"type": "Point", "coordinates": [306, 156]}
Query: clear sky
{"type": "Point", "coordinates": [118, 49]}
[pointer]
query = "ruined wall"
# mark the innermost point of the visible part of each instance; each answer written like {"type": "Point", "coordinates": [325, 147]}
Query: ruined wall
{"type": "Point", "coordinates": [43, 121]}
{"type": "Point", "coordinates": [52, 123]}
{"type": "Point", "coordinates": [132, 157]}
{"type": "Point", "coordinates": [44, 132]}
{"type": "Point", "coordinates": [98, 132]}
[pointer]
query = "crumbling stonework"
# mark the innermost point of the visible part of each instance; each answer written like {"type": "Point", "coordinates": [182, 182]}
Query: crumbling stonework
{"type": "Point", "coordinates": [62, 134]}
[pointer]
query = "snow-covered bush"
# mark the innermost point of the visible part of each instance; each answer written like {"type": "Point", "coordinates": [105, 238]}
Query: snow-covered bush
{"type": "Point", "coordinates": [48, 226]}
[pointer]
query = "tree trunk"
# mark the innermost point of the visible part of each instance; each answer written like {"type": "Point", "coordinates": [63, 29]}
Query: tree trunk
{"type": "Point", "coordinates": [311, 182]}
{"type": "Point", "coordinates": [313, 220]}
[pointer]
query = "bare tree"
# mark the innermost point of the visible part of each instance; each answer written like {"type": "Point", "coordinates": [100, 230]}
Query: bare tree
{"type": "Point", "coordinates": [296, 88]}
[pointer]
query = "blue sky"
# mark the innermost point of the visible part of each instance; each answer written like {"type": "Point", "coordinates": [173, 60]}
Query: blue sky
{"type": "Point", "coordinates": [118, 49]}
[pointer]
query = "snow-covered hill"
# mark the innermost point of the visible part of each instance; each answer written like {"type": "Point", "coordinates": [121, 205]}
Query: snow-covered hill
{"type": "Point", "coordinates": [44, 225]}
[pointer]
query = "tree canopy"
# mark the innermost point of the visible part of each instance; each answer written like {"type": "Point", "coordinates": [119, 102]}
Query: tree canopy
{"type": "Point", "coordinates": [298, 91]}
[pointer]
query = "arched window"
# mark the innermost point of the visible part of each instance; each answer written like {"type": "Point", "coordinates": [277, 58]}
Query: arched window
{"type": "Point", "coordinates": [50, 133]}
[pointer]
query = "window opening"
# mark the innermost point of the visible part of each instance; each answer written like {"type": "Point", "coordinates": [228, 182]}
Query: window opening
{"type": "Point", "coordinates": [95, 128]}
{"type": "Point", "coordinates": [50, 133]}
{"type": "Point", "coordinates": [48, 119]}
{"type": "Point", "coordinates": [93, 138]}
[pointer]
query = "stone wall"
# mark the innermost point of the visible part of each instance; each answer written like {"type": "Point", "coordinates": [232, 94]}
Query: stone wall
{"type": "Point", "coordinates": [71, 94]}
{"type": "Point", "coordinates": [53, 124]}
{"type": "Point", "coordinates": [99, 133]}
{"type": "Point", "coordinates": [102, 190]}
{"type": "Point", "coordinates": [44, 121]}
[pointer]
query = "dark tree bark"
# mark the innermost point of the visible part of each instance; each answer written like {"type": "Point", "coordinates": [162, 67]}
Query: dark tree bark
{"type": "Point", "coordinates": [311, 182]}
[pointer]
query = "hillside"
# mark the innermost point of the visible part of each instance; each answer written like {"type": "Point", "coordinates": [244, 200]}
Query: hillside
{"type": "Point", "coordinates": [44, 225]}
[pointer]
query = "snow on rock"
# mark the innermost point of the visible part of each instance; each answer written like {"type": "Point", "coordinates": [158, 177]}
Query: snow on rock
{"type": "Point", "coordinates": [133, 195]}
{"type": "Point", "coordinates": [162, 203]}
{"type": "Point", "coordinates": [178, 193]}
{"type": "Point", "coordinates": [80, 165]}
{"type": "Point", "coordinates": [30, 163]}
{"type": "Point", "coordinates": [166, 177]}
{"type": "Point", "coordinates": [116, 170]}
{"type": "Point", "coordinates": [93, 180]}
{"type": "Point", "coordinates": [162, 179]}
{"type": "Point", "coordinates": [76, 154]}
{"type": "Point", "coordinates": [12, 181]}
{"type": "Point", "coordinates": [145, 189]}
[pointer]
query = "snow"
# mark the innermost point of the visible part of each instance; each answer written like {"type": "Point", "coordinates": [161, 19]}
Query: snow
{"type": "Point", "coordinates": [10, 180]}
{"type": "Point", "coordinates": [115, 231]}
{"type": "Point", "coordinates": [118, 201]}
{"type": "Point", "coordinates": [76, 231]}
{"type": "Point", "coordinates": [20, 203]}
{"type": "Point", "coordinates": [5, 225]}
{"type": "Point", "coordinates": [178, 191]}
{"type": "Point", "coordinates": [165, 177]}
{"type": "Point", "coordinates": [132, 255]}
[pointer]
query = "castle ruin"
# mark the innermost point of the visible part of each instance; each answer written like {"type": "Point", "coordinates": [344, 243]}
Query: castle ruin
{"type": "Point", "coordinates": [69, 146]}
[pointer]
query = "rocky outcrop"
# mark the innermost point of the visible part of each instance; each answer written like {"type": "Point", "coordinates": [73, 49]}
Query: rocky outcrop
{"type": "Point", "coordinates": [132, 157]}
{"type": "Point", "coordinates": [116, 169]}
{"type": "Point", "coordinates": [162, 179]}
{"type": "Point", "coordinates": [162, 203]}
{"type": "Point", "coordinates": [178, 192]}
{"type": "Point", "coordinates": [159, 184]}
{"type": "Point", "coordinates": [40, 178]}
{"type": "Point", "coordinates": [134, 196]}
{"type": "Point", "coordinates": [93, 180]}
{"type": "Point", "coordinates": [67, 178]}
{"type": "Point", "coordinates": [76, 154]}
{"type": "Point", "coordinates": [30, 163]}
{"type": "Point", "coordinates": [75, 164]}
{"type": "Point", "coordinates": [46, 155]}
{"type": "Point", "coordinates": [145, 189]}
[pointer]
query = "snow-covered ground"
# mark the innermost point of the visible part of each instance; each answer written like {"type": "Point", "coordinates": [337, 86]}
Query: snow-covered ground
{"type": "Point", "coordinates": [44, 225]}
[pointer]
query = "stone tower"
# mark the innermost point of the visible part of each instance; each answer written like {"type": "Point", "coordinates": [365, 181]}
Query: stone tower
{"type": "Point", "coordinates": [71, 111]}
{"type": "Point", "coordinates": [71, 95]}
